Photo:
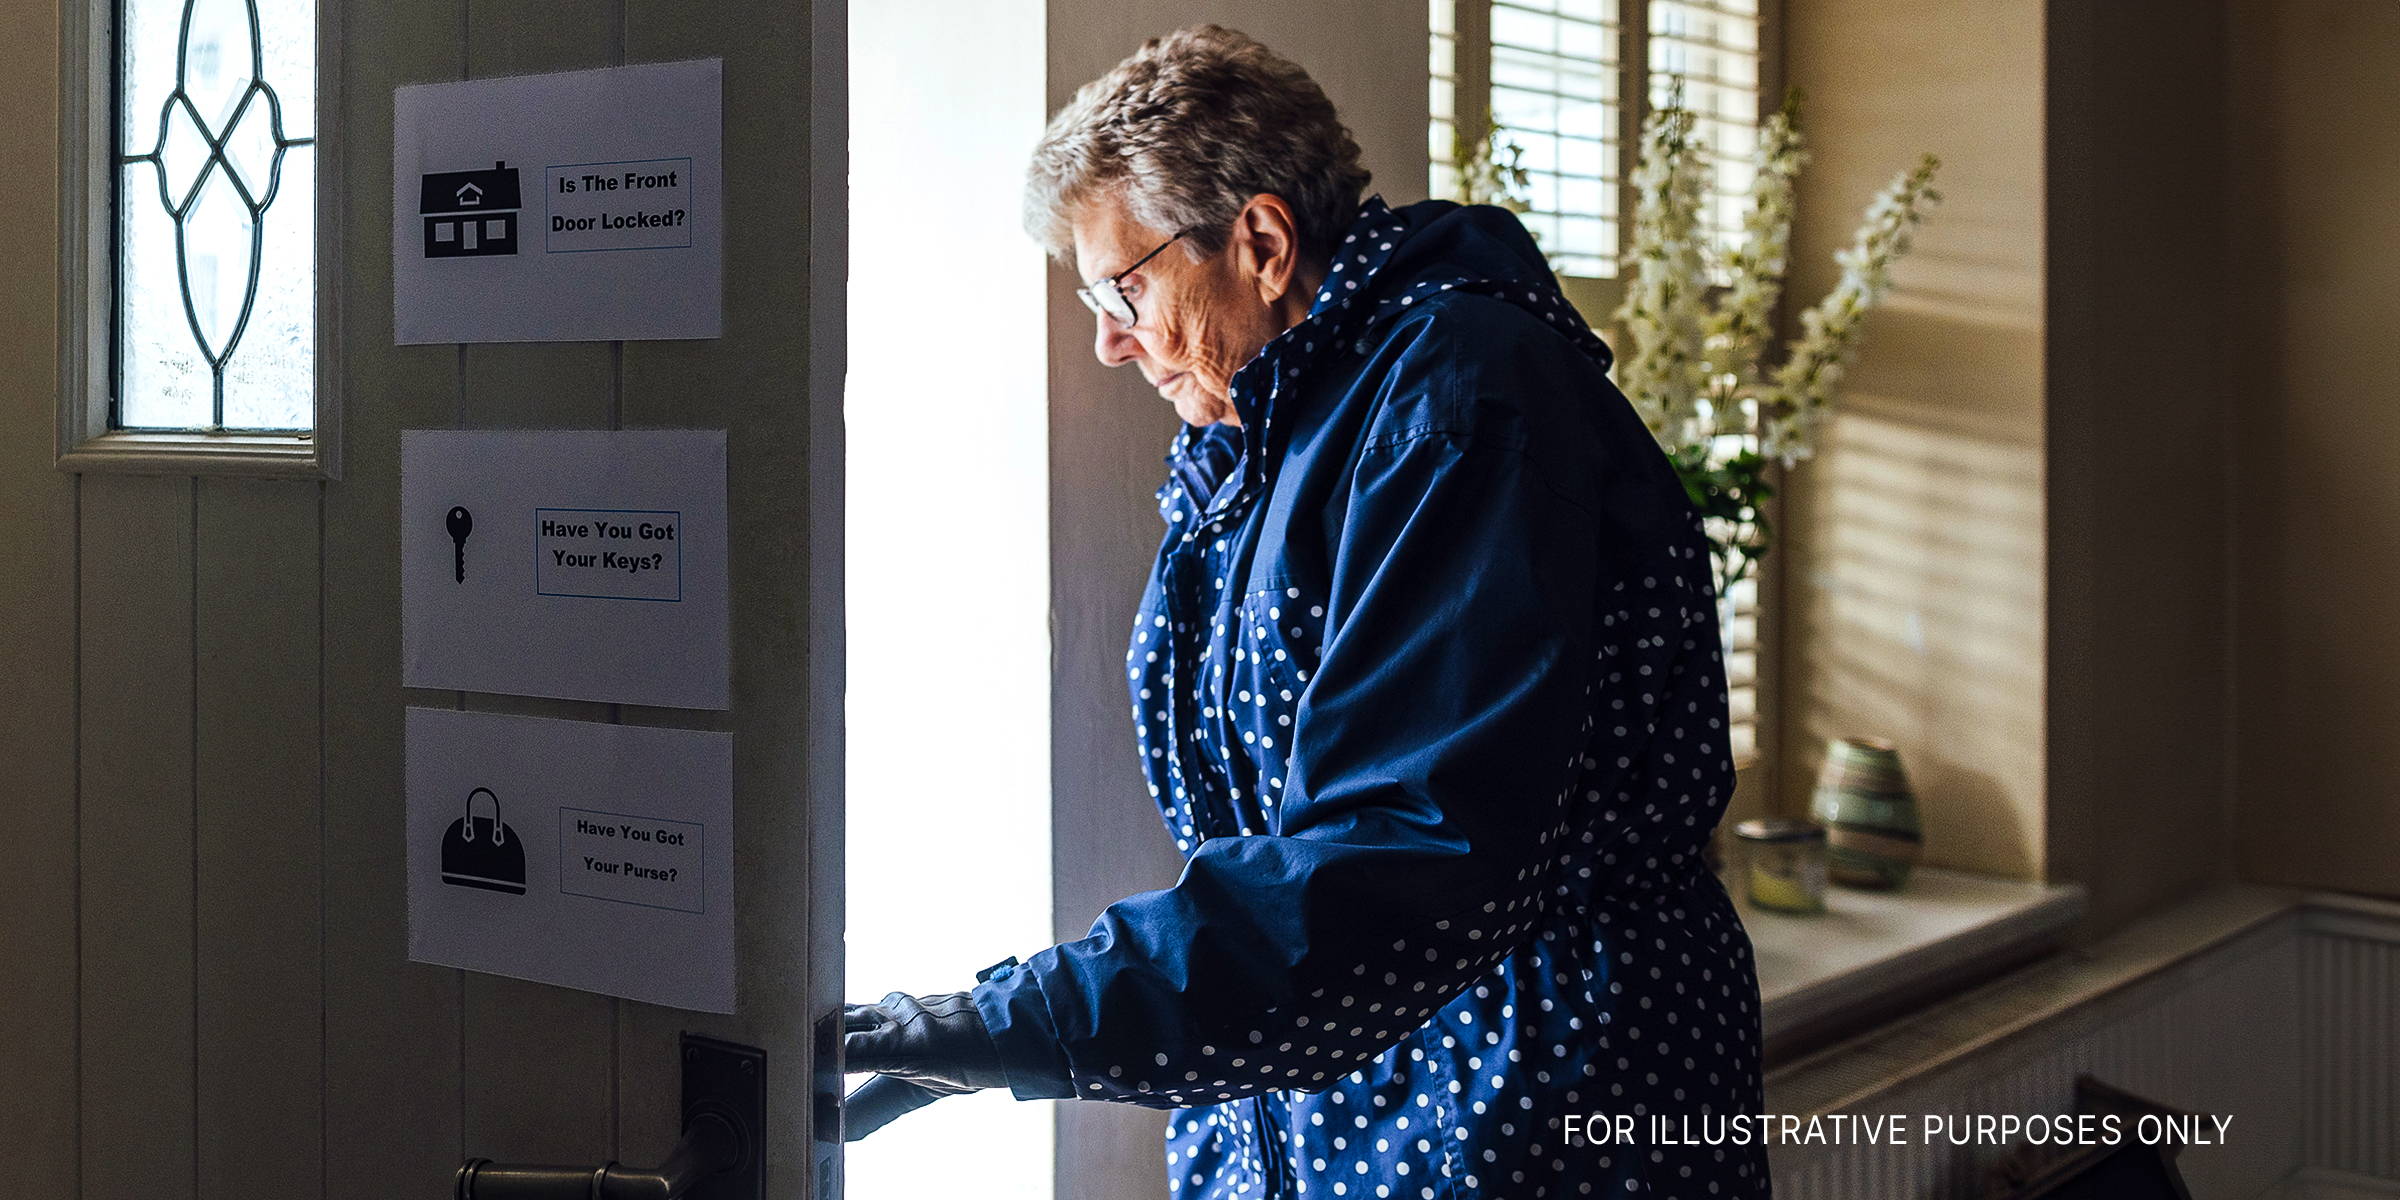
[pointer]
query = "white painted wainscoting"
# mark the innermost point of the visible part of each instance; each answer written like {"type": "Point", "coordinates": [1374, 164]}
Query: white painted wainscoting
{"type": "Point", "coordinates": [2350, 1041]}
{"type": "Point", "coordinates": [2278, 1009]}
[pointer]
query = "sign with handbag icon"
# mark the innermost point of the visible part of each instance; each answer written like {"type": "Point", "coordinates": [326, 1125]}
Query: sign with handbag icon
{"type": "Point", "coordinates": [483, 852]}
{"type": "Point", "coordinates": [573, 853]}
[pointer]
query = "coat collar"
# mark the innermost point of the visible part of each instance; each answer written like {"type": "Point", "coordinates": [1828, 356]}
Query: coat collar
{"type": "Point", "coordinates": [1356, 297]}
{"type": "Point", "coordinates": [1349, 279]}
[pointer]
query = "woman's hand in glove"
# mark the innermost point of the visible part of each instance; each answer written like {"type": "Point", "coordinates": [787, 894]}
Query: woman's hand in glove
{"type": "Point", "coordinates": [937, 1043]}
{"type": "Point", "coordinates": [879, 1102]}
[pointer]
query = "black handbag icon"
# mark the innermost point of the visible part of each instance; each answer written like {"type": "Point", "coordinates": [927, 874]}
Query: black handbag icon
{"type": "Point", "coordinates": [481, 852]}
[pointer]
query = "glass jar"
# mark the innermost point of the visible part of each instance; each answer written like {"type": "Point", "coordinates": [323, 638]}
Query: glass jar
{"type": "Point", "coordinates": [1786, 864]}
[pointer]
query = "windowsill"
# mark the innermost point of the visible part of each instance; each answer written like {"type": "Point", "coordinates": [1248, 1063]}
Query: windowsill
{"type": "Point", "coordinates": [174, 452]}
{"type": "Point", "coordinates": [1873, 955]}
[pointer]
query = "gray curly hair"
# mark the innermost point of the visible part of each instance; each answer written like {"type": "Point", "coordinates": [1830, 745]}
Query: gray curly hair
{"type": "Point", "coordinates": [1184, 132]}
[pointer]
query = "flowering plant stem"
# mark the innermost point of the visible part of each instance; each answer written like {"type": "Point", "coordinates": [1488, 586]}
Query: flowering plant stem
{"type": "Point", "coordinates": [1693, 371]}
{"type": "Point", "coordinates": [1490, 166]}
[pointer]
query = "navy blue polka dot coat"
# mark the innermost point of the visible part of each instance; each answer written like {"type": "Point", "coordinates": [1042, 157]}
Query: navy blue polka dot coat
{"type": "Point", "coordinates": [1428, 688]}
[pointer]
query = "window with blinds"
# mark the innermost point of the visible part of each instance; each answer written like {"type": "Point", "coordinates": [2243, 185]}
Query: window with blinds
{"type": "Point", "coordinates": [1557, 79]}
{"type": "Point", "coordinates": [1551, 77]}
{"type": "Point", "coordinates": [1737, 613]}
{"type": "Point", "coordinates": [1442, 136]}
{"type": "Point", "coordinates": [1554, 93]}
{"type": "Point", "coordinates": [1712, 45]}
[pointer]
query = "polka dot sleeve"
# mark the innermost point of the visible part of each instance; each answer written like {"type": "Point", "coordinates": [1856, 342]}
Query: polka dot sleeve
{"type": "Point", "coordinates": [1440, 720]}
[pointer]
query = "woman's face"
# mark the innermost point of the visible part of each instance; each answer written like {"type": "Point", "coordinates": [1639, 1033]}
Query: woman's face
{"type": "Point", "coordinates": [1195, 323]}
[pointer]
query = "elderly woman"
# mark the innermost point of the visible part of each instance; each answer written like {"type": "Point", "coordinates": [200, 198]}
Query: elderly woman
{"type": "Point", "coordinates": [1428, 692]}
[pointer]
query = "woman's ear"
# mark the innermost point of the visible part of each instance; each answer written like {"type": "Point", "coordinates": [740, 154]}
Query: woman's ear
{"type": "Point", "coordinates": [1266, 245]}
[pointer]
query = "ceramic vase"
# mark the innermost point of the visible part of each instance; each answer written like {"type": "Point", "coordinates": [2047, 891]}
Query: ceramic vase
{"type": "Point", "coordinates": [1872, 836]}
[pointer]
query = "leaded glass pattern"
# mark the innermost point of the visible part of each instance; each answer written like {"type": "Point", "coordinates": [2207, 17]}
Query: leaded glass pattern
{"type": "Point", "coordinates": [216, 210]}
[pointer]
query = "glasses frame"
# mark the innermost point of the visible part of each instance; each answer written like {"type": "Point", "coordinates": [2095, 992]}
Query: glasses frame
{"type": "Point", "coordinates": [1105, 297]}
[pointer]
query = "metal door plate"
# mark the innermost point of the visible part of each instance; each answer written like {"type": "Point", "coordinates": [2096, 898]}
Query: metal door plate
{"type": "Point", "coordinates": [730, 1081]}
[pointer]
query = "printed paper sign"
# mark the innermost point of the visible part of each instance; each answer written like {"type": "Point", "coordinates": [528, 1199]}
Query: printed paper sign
{"type": "Point", "coordinates": [619, 206]}
{"type": "Point", "coordinates": [581, 564]}
{"type": "Point", "coordinates": [582, 553]}
{"type": "Point", "coordinates": [590, 856]}
{"type": "Point", "coordinates": [584, 206]}
{"type": "Point", "coordinates": [632, 859]}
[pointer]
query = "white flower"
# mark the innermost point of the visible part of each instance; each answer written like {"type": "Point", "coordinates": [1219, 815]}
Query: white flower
{"type": "Point", "coordinates": [1665, 302]}
{"type": "Point", "coordinates": [1794, 405]}
{"type": "Point", "coordinates": [1738, 329]}
{"type": "Point", "coordinates": [1693, 372]}
{"type": "Point", "coordinates": [1488, 167]}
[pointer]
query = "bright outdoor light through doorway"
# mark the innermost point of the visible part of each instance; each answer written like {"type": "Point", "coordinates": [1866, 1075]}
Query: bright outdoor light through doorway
{"type": "Point", "coordinates": [948, 555]}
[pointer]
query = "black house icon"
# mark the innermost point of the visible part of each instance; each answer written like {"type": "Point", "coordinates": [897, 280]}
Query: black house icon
{"type": "Point", "coordinates": [470, 213]}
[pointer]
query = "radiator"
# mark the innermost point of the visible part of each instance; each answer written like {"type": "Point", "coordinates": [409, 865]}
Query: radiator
{"type": "Point", "coordinates": [2291, 1027]}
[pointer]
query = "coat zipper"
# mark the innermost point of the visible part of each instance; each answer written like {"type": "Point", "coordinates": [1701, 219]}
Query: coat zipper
{"type": "Point", "coordinates": [1274, 1157]}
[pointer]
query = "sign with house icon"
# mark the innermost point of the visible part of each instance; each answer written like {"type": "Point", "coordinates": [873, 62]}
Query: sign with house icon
{"type": "Point", "coordinates": [470, 213]}
{"type": "Point", "coordinates": [596, 213]}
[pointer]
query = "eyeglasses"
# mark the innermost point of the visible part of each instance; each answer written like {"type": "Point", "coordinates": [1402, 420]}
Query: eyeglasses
{"type": "Point", "coordinates": [1107, 297]}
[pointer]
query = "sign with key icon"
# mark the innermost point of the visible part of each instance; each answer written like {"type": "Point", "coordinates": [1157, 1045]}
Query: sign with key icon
{"type": "Point", "coordinates": [586, 565]}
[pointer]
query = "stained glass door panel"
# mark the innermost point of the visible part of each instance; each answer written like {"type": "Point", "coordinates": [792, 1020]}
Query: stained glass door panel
{"type": "Point", "coordinates": [216, 203]}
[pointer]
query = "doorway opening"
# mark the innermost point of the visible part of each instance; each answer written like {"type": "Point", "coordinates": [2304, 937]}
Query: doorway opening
{"type": "Point", "coordinates": [948, 726]}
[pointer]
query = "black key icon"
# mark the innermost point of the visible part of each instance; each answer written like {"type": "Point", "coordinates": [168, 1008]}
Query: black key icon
{"type": "Point", "coordinates": [461, 524]}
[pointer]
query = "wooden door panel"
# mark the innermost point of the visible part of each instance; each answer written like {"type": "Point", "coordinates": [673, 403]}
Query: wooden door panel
{"type": "Point", "coordinates": [136, 839]}
{"type": "Point", "coordinates": [538, 1083]}
{"type": "Point", "coordinates": [393, 1030]}
{"type": "Point", "coordinates": [257, 839]}
{"type": "Point", "coordinates": [224, 945]}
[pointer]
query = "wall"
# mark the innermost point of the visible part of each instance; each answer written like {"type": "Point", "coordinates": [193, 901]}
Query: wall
{"type": "Point", "coordinates": [37, 639]}
{"type": "Point", "coordinates": [2315, 120]}
{"type": "Point", "coordinates": [2012, 558]}
{"type": "Point", "coordinates": [1108, 438]}
{"type": "Point", "coordinates": [1913, 543]}
{"type": "Point", "coordinates": [2138, 354]}
{"type": "Point", "coordinates": [207, 993]}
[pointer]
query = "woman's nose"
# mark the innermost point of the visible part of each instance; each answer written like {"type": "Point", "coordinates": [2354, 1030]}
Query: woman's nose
{"type": "Point", "coordinates": [1113, 343]}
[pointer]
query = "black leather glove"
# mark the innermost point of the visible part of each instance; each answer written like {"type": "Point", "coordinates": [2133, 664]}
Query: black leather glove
{"type": "Point", "coordinates": [880, 1101]}
{"type": "Point", "coordinates": [937, 1043]}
